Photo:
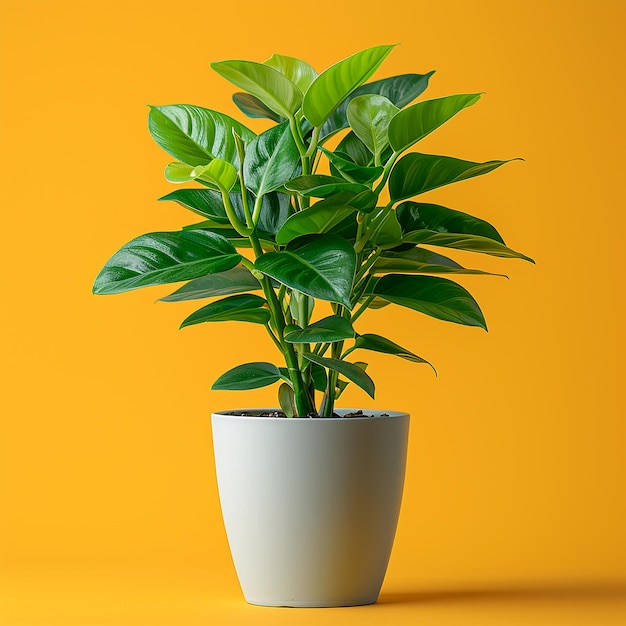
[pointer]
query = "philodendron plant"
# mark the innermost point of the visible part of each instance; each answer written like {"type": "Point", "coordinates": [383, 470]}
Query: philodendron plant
{"type": "Point", "coordinates": [288, 221]}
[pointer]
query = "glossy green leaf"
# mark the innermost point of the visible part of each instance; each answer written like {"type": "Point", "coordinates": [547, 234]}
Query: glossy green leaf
{"type": "Point", "coordinates": [351, 371]}
{"type": "Point", "coordinates": [354, 148]}
{"type": "Point", "coordinates": [266, 83]}
{"type": "Point", "coordinates": [218, 172]}
{"type": "Point", "coordinates": [383, 228]}
{"type": "Point", "coordinates": [242, 308]}
{"type": "Point", "coordinates": [369, 117]}
{"type": "Point", "coordinates": [472, 243]}
{"type": "Point", "coordinates": [320, 218]}
{"type": "Point", "coordinates": [419, 215]}
{"type": "Point", "coordinates": [342, 165]}
{"type": "Point", "coordinates": [321, 266]}
{"type": "Point", "coordinates": [415, 122]}
{"type": "Point", "coordinates": [417, 173]}
{"type": "Point", "coordinates": [204, 202]}
{"type": "Point", "coordinates": [248, 376]}
{"type": "Point", "coordinates": [195, 135]}
{"type": "Point", "coordinates": [275, 209]}
{"type": "Point", "coordinates": [333, 85]}
{"type": "Point", "coordinates": [420, 261]}
{"type": "Point", "coordinates": [235, 280]}
{"type": "Point", "coordinates": [320, 379]}
{"type": "Point", "coordinates": [328, 330]}
{"type": "Point", "coordinates": [376, 343]}
{"type": "Point", "coordinates": [271, 160]}
{"type": "Point", "coordinates": [287, 400]}
{"type": "Point", "coordinates": [297, 71]}
{"type": "Point", "coordinates": [434, 296]}
{"type": "Point", "coordinates": [322, 186]}
{"type": "Point", "coordinates": [252, 107]}
{"type": "Point", "coordinates": [160, 258]}
{"type": "Point", "coordinates": [400, 90]}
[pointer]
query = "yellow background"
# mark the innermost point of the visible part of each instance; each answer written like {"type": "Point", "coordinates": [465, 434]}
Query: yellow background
{"type": "Point", "coordinates": [514, 509]}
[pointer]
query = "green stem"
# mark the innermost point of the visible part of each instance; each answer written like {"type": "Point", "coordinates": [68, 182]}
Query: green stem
{"type": "Point", "coordinates": [362, 308]}
{"type": "Point", "coordinates": [236, 223]}
{"type": "Point", "coordinates": [386, 172]}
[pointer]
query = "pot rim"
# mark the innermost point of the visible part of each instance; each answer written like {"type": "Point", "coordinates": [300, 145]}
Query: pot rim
{"type": "Point", "coordinates": [369, 414]}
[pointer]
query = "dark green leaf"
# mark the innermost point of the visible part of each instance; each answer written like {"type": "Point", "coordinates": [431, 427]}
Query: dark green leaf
{"type": "Point", "coordinates": [321, 266]}
{"type": "Point", "coordinates": [383, 229]}
{"type": "Point", "coordinates": [418, 215]}
{"type": "Point", "coordinates": [236, 280]}
{"type": "Point", "coordinates": [195, 135]}
{"type": "Point", "coordinates": [328, 330]}
{"type": "Point", "coordinates": [351, 371]}
{"type": "Point", "coordinates": [242, 308]}
{"type": "Point", "coordinates": [270, 86]}
{"type": "Point", "coordinates": [333, 85]}
{"type": "Point", "coordinates": [271, 160]}
{"type": "Point", "coordinates": [417, 173]}
{"type": "Point", "coordinates": [205, 202]}
{"type": "Point", "coordinates": [376, 343]}
{"type": "Point", "coordinates": [287, 400]}
{"type": "Point", "coordinates": [320, 380]}
{"type": "Point", "coordinates": [369, 118]}
{"type": "Point", "coordinates": [415, 122]}
{"type": "Point", "coordinates": [321, 186]}
{"type": "Point", "coordinates": [353, 147]}
{"type": "Point", "coordinates": [248, 376]}
{"type": "Point", "coordinates": [297, 71]}
{"type": "Point", "coordinates": [252, 107]}
{"type": "Point", "coordinates": [434, 296]}
{"type": "Point", "coordinates": [401, 90]}
{"type": "Point", "coordinates": [160, 258]}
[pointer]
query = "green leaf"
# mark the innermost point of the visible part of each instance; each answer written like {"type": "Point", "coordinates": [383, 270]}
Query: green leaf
{"type": "Point", "coordinates": [195, 135]}
{"type": "Point", "coordinates": [321, 266]}
{"type": "Point", "coordinates": [235, 280]}
{"type": "Point", "coordinates": [322, 186]}
{"type": "Point", "coordinates": [353, 147]}
{"type": "Point", "coordinates": [272, 88]}
{"type": "Point", "coordinates": [298, 72]}
{"type": "Point", "coordinates": [369, 118]}
{"type": "Point", "coordinates": [472, 243]}
{"type": "Point", "coordinates": [275, 209]}
{"type": "Point", "coordinates": [160, 258]}
{"type": "Point", "coordinates": [252, 107]}
{"type": "Point", "coordinates": [400, 90]}
{"type": "Point", "coordinates": [248, 376]}
{"type": "Point", "coordinates": [420, 261]}
{"type": "Point", "coordinates": [376, 343]}
{"type": "Point", "coordinates": [351, 371]}
{"type": "Point", "coordinates": [333, 85]}
{"type": "Point", "coordinates": [204, 202]}
{"type": "Point", "coordinates": [417, 173]}
{"type": "Point", "coordinates": [287, 400]}
{"type": "Point", "coordinates": [414, 123]}
{"type": "Point", "coordinates": [241, 308]}
{"type": "Point", "coordinates": [328, 330]}
{"type": "Point", "coordinates": [418, 215]}
{"type": "Point", "coordinates": [319, 218]}
{"type": "Point", "coordinates": [320, 379]}
{"type": "Point", "coordinates": [178, 173]}
{"type": "Point", "coordinates": [434, 296]}
{"type": "Point", "coordinates": [218, 172]}
{"type": "Point", "coordinates": [271, 160]}
{"type": "Point", "coordinates": [343, 165]}
{"type": "Point", "coordinates": [383, 228]}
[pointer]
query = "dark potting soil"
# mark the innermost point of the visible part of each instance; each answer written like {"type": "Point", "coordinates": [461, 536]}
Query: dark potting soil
{"type": "Point", "coordinates": [358, 413]}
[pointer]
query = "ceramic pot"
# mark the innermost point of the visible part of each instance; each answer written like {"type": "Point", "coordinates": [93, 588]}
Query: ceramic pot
{"type": "Point", "coordinates": [310, 505]}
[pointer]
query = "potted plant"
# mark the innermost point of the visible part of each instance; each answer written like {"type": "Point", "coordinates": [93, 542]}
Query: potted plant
{"type": "Point", "coordinates": [305, 227]}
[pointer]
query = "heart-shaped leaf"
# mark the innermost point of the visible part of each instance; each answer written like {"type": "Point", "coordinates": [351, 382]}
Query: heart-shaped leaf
{"type": "Point", "coordinates": [270, 86]}
{"type": "Point", "coordinates": [252, 107]}
{"type": "Point", "coordinates": [434, 296]}
{"type": "Point", "coordinates": [297, 71]}
{"type": "Point", "coordinates": [400, 90]}
{"type": "Point", "coordinates": [235, 280]}
{"type": "Point", "coordinates": [419, 215]}
{"type": "Point", "coordinates": [321, 266]}
{"type": "Point", "coordinates": [322, 186]}
{"type": "Point", "coordinates": [415, 122]}
{"type": "Point", "coordinates": [333, 85]}
{"type": "Point", "coordinates": [271, 160]}
{"type": "Point", "coordinates": [242, 308]}
{"type": "Point", "coordinates": [351, 371]}
{"type": "Point", "coordinates": [376, 343]}
{"type": "Point", "coordinates": [417, 173]}
{"type": "Point", "coordinates": [160, 258]}
{"type": "Point", "coordinates": [328, 330]}
{"type": "Point", "coordinates": [369, 117]}
{"type": "Point", "coordinates": [195, 135]}
{"type": "Point", "coordinates": [248, 376]}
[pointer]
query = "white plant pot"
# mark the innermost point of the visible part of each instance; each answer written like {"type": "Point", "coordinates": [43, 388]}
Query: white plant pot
{"type": "Point", "coordinates": [310, 505]}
